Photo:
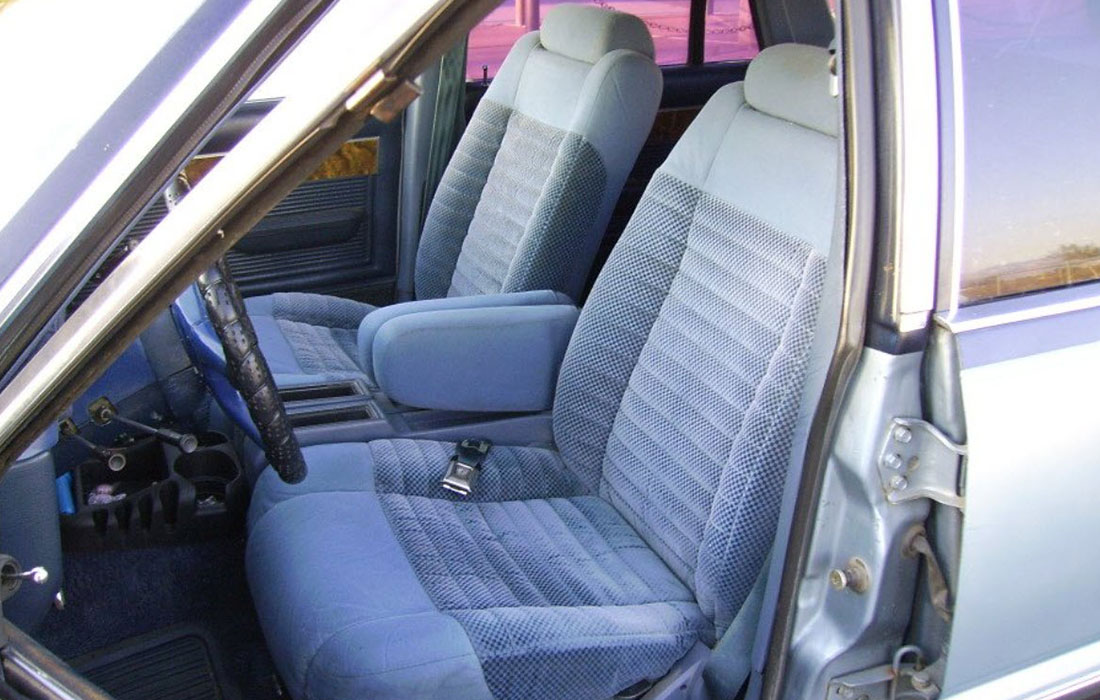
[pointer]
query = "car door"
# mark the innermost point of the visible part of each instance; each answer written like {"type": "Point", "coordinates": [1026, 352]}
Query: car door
{"type": "Point", "coordinates": [336, 233]}
{"type": "Point", "coordinates": [947, 550]}
{"type": "Point", "coordinates": [1023, 304]}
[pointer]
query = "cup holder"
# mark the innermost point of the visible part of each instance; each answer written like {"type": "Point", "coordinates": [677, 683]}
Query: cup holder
{"type": "Point", "coordinates": [209, 438]}
{"type": "Point", "coordinates": [145, 467]}
{"type": "Point", "coordinates": [211, 472]}
{"type": "Point", "coordinates": [215, 477]}
{"type": "Point", "coordinates": [162, 495]}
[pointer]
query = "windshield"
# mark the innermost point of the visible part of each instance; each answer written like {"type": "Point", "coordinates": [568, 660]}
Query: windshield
{"type": "Point", "coordinates": [317, 49]}
{"type": "Point", "coordinates": [67, 62]}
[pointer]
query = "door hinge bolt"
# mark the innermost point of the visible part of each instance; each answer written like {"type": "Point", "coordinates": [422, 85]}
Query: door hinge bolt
{"type": "Point", "coordinates": [920, 680]}
{"type": "Point", "coordinates": [916, 460]}
{"type": "Point", "coordinates": [855, 577]}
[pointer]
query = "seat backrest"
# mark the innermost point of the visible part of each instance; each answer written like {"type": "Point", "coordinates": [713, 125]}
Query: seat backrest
{"type": "Point", "coordinates": [528, 193]}
{"type": "Point", "coordinates": [680, 388]}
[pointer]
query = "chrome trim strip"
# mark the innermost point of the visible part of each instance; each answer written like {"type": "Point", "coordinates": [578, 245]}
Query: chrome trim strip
{"type": "Point", "coordinates": [1032, 306]}
{"type": "Point", "coordinates": [951, 268]}
{"type": "Point", "coordinates": [23, 281]}
{"type": "Point", "coordinates": [180, 239]}
{"type": "Point", "coordinates": [918, 196]}
{"type": "Point", "coordinates": [39, 675]}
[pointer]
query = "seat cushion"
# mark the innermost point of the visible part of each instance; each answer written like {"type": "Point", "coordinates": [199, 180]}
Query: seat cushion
{"type": "Point", "coordinates": [532, 183]}
{"type": "Point", "coordinates": [308, 338]}
{"type": "Point", "coordinates": [387, 595]}
{"type": "Point", "coordinates": [343, 611]}
{"type": "Point", "coordinates": [414, 468]}
{"type": "Point", "coordinates": [560, 597]}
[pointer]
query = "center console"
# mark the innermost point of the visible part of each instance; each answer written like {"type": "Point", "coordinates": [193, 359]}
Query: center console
{"type": "Point", "coordinates": [350, 411]}
{"type": "Point", "coordinates": [159, 495]}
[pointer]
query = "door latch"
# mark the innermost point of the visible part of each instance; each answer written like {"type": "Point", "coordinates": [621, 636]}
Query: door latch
{"type": "Point", "coordinates": [907, 676]}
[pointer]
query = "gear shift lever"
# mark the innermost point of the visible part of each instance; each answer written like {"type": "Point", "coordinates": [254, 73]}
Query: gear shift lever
{"type": "Point", "coordinates": [102, 412]}
{"type": "Point", "coordinates": [116, 461]}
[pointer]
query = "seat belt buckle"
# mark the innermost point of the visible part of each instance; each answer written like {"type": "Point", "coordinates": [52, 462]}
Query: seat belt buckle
{"type": "Point", "coordinates": [465, 466]}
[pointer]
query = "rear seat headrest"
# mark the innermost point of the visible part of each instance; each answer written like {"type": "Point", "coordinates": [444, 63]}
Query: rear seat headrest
{"type": "Point", "coordinates": [791, 81]}
{"type": "Point", "coordinates": [587, 33]}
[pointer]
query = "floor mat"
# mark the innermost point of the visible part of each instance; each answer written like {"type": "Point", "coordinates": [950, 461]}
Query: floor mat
{"type": "Point", "coordinates": [114, 596]}
{"type": "Point", "coordinates": [175, 664]}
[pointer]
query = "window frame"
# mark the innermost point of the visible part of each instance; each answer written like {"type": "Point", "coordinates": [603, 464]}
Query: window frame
{"type": "Point", "coordinates": [951, 304]}
{"type": "Point", "coordinates": [697, 33]}
{"type": "Point", "coordinates": [696, 36]}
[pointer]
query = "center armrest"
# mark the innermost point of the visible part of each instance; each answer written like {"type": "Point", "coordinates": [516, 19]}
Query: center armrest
{"type": "Point", "coordinates": [374, 320]}
{"type": "Point", "coordinates": [502, 358]}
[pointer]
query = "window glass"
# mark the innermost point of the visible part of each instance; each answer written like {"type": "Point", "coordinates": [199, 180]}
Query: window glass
{"type": "Point", "coordinates": [66, 74]}
{"type": "Point", "coordinates": [729, 35]}
{"type": "Point", "coordinates": [667, 21]}
{"type": "Point", "coordinates": [1031, 183]}
{"type": "Point", "coordinates": [315, 49]}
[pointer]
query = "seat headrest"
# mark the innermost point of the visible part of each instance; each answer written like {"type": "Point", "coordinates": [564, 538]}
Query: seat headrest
{"type": "Point", "coordinates": [791, 82]}
{"type": "Point", "coordinates": [587, 33]}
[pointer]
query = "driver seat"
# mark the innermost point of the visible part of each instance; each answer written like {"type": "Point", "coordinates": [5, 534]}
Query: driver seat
{"type": "Point", "coordinates": [580, 570]}
{"type": "Point", "coordinates": [526, 197]}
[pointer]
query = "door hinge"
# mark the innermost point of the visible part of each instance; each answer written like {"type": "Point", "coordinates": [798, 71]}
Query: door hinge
{"type": "Point", "coordinates": [906, 676]}
{"type": "Point", "coordinates": [919, 461]}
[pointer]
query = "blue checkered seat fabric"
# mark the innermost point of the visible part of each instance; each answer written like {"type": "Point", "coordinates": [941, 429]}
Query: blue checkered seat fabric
{"type": "Point", "coordinates": [578, 569]}
{"type": "Point", "coordinates": [526, 196]}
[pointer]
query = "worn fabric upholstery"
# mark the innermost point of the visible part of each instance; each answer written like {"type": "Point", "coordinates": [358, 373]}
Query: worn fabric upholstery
{"type": "Point", "coordinates": [527, 195]}
{"type": "Point", "coordinates": [308, 337]}
{"type": "Point", "coordinates": [540, 629]}
{"type": "Point", "coordinates": [643, 531]}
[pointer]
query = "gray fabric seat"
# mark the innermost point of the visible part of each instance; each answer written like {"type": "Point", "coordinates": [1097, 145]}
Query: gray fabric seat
{"type": "Point", "coordinates": [527, 194]}
{"type": "Point", "coordinates": [577, 571]}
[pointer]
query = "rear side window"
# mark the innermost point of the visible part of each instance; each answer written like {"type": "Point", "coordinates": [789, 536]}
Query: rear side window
{"type": "Point", "coordinates": [1031, 187]}
{"type": "Point", "coordinates": [728, 30]}
{"type": "Point", "coordinates": [729, 35]}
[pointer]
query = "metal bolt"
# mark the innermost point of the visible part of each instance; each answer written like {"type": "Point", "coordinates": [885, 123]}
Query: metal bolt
{"type": "Point", "coordinates": [855, 577]}
{"type": "Point", "coordinates": [920, 680]}
{"type": "Point", "coordinates": [898, 483]}
{"type": "Point", "coordinates": [902, 434]}
{"type": "Point", "coordinates": [838, 579]}
{"type": "Point", "coordinates": [846, 691]}
{"type": "Point", "coordinates": [892, 461]}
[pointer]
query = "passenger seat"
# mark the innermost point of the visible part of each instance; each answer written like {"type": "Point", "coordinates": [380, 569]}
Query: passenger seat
{"type": "Point", "coordinates": [526, 197]}
{"type": "Point", "coordinates": [583, 569]}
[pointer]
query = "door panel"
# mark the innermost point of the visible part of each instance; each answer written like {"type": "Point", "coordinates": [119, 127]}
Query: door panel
{"type": "Point", "coordinates": [334, 234]}
{"type": "Point", "coordinates": [1029, 576]}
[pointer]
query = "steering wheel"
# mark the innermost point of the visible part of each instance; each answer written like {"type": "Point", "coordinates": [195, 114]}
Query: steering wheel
{"type": "Point", "coordinates": [247, 371]}
{"type": "Point", "coordinates": [245, 367]}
